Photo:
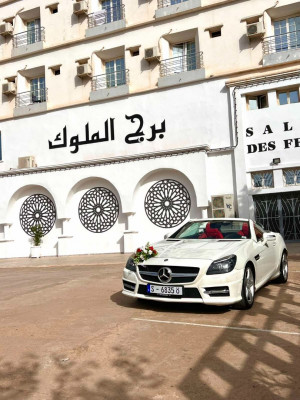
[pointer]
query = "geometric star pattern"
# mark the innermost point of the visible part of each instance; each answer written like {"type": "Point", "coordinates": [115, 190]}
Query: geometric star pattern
{"type": "Point", "coordinates": [98, 210]}
{"type": "Point", "coordinates": [167, 203]}
{"type": "Point", "coordinates": [37, 210]}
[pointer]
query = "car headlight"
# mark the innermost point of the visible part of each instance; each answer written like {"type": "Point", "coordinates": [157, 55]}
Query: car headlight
{"type": "Point", "coordinates": [131, 265]}
{"type": "Point", "coordinates": [222, 266]}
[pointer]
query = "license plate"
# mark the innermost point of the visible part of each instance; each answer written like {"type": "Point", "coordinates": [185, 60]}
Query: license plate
{"type": "Point", "coordinates": [164, 290]}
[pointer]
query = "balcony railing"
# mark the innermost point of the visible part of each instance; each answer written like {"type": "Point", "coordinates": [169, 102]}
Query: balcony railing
{"type": "Point", "coordinates": [29, 37]}
{"type": "Point", "coordinates": [106, 16]}
{"type": "Point", "coordinates": [109, 80]}
{"type": "Point", "coordinates": [32, 97]}
{"type": "Point", "coordinates": [167, 3]}
{"type": "Point", "coordinates": [176, 65]}
{"type": "Point", "coordinates": [283, 42]}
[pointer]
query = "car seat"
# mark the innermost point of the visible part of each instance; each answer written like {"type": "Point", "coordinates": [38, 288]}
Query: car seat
{"type": "Point", "coordinates": [245, 230]}
{"type": "Point", "coordinates": [211, 233]}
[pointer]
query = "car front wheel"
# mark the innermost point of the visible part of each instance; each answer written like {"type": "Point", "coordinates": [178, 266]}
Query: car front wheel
{"type": "Point", "coordinates": [248, 289]}
{"type": "Point", "coordinates": [284, 270]}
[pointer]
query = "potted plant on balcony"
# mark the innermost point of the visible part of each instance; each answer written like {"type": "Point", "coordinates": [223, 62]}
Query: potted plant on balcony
{"type": "Point", "coordinates": [35, 250]}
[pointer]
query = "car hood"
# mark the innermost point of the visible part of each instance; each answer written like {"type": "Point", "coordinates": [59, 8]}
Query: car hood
{"type": "Point", "coordinates": [212, 249]}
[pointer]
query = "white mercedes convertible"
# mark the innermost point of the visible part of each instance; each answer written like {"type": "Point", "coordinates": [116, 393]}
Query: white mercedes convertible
{"type": "Point", "coordinates": [211, 261]}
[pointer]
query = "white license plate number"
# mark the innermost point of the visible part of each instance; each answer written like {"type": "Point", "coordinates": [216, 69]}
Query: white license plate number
{"type": "Point", "coordinates": [164, 290]}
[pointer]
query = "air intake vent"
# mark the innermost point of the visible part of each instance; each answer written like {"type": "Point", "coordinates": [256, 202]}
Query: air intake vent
{"type": "Point", "coordinates": [6, 29]}
{"type": "Point", "coordinates": [152, 54]}
{"type": "Point", "coordinates": [9, 88]}
{"type": "Point", "coordinates": [80, 7]}
{"type": "Point", "coordinates": [254, 30]}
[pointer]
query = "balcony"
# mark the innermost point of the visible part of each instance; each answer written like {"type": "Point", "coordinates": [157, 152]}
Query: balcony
{"type": "Point", "coordinates": [31, 102]}
{"type": "Point", "coordinates": [281, 48]}
{"type": "Point", "coordinates": [106, 20]}
{"type": "Point", "coordinates": [28, 41]}
{"type": "Point", "coordinates": [169, 7]}
{"type": "Point", "coordinates": [184, 69]}
{"type": "Point", "coordinates": [110, 85]}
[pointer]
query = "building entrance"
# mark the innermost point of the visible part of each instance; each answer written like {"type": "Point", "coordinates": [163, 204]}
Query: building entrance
{"type": "Point", "coordinates": [279, 212]}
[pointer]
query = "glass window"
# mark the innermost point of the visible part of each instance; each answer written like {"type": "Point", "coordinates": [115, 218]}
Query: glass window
{"type": "Point", "coordinates": [33, 31]}
{"type": "Point", "coordinates": [289, 96]}
{"type": "Point", "coordinates": [294, 96]}
{"type": "Point", "coordinates": [115, 72]}
{"type": "Point", "coordinates": [258, 233]}
{"type": "Point", "coordinates": [214, 229]}
{"type": "Point", "coordinates": [113, 10]}
{"type": "Point", "coordinates": [291, 177]}
{"type": "Point", "coordinates": [38, 90]}
{"type": "Point", "coordinates": [262, 180]}
{"type": "Point", "coordinates": [257, 102]}
{"type": "Point", "coordinates": [184, 57]}
{"type": "Point", "coordinates": [287, 34]}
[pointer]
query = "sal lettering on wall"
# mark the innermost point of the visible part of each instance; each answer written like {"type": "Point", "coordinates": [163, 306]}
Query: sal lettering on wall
{"type": "Point", "coordinates": [61, 140]}
{"type": "Point", "coordinates": [270, 145]}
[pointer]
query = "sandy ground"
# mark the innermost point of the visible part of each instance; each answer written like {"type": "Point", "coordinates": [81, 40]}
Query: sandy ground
{"type": "Point", "coordinates": [67, 332]}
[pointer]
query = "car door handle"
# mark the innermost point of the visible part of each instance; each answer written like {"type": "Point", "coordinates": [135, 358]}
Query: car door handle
{"type": "Point", "coordinates": [257, 257]}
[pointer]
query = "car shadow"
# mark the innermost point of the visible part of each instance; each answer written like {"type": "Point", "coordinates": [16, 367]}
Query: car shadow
{"type": "Point", "coordinates": [172, 308]}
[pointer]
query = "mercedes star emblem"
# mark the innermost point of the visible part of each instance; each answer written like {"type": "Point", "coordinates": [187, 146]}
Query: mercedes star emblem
{"type": "Point", "coordinates": [165, 275]}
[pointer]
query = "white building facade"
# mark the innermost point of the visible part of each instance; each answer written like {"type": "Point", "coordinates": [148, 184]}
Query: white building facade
{"type": "Point", "coordinates": [120, 120]}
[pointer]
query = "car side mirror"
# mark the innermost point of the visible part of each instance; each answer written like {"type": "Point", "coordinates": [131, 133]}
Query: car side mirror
{"type": "Point", "coordinates": [167, 235]}
{"type": "Point", "coordinates": [269, 237]}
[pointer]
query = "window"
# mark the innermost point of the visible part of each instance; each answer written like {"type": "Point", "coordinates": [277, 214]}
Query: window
{"type": "Point", "coordinates": [185, 57]}
{"type": "Point", "coordinates": [177, 1]}
{"type": "Point", "coordinates": [115, 72]}
{"type": "Point", "coordinates": [214, 34]}
{"type": "Point", "coordinates": [38, 90]}
{"type": "Point", "coordinates": [0, 147]}
{"type": "Point", "coordinates": [287, 34]}
{"type": "Point", "coordinates": [33, 31]}
{"type": "Point", "coordinates": [113, 9]}
{"type": "Point", "coordinates": [262, 180]}
{"type": "Point", "coordinates": [291, 177]}
{"type": "Point", "coordinates": [257, 102]}
{"type": "Point", "coordinates": [289, 96]}
{"type": "Point", "coordinates": [258, 233]}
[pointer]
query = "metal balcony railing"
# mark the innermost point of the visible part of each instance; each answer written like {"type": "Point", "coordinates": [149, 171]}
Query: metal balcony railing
{"type": "Point", "coordinates": [113, 79]}
{"type": "Point", "coordinates": [167, 3]}
{"type": "Point", "coordinates": [176, 65]}
{"type": "Point", "coordinates": [32, 97]}
{"type": "Point", "coordinates": [29, 37]}
{"type": "Point", "coordinates": [105, 16]}
{"type": "Point", "coordinates": [283, 42]}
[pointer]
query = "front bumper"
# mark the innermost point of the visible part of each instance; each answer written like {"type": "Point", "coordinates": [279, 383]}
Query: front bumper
{"type": "Point", "coordinates": [222, 289]}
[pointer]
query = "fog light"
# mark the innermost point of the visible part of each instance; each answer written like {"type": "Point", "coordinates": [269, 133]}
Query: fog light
{"type": "Point", "coordinates": [217, 291]}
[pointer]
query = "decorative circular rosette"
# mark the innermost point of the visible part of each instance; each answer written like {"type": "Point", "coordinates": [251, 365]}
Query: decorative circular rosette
{"type": "Point", "coordinates": [167, 203]}
{"type": "Point", "coordinates": [98, 210]}
{"type": "Point", "coordinates": [37, 210]}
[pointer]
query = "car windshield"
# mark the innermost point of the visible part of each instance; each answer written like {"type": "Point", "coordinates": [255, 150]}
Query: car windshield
{"type": "Point", "coordinates": [214, 229]}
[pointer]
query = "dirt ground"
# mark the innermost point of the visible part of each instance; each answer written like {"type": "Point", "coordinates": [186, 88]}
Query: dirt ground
{"type": "Point", "coordinates": [67, 332]}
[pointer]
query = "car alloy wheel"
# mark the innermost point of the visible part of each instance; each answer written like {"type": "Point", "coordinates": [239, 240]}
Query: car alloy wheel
{"type": "Point", "coordinates": [248, 290]}
{"type": "Point", "coordinates": [284, 269]}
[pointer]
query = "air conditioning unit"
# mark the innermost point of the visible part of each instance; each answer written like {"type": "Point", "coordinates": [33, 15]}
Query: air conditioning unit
{"type": "Point", "coordinates": [6, 29]}
{"type": "Point", "coordinates": [223, 206]}
{"type": "Point", "coordinates": [84, 70]}
{"type": "Point", "coordinates": [152, 53]}
{"type": "Point", "coordinates": [256, 29]}
{"type": "Point", "coordinates": [26, 162]}
{"type": "Point", "coordinates": [9, 88]}
{"type": "Point", "coordinates": [80, 7]}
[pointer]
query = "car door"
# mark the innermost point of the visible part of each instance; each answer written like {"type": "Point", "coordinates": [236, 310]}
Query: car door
{"type": "Point", "coordinates": [264, 256]}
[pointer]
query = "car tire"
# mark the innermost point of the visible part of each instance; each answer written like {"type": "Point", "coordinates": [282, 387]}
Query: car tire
{"type": "Point", "coordinates": [248, 289]}
{"type": "Point", "coordinates": [284, 269]}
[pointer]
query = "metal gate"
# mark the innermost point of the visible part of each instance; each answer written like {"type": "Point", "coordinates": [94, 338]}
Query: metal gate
{"type": "Point", "coordinates": [279, 213]}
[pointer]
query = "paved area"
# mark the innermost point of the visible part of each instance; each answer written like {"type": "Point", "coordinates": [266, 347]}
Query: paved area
{"type": "Point", "coordinates": [67, 332]}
